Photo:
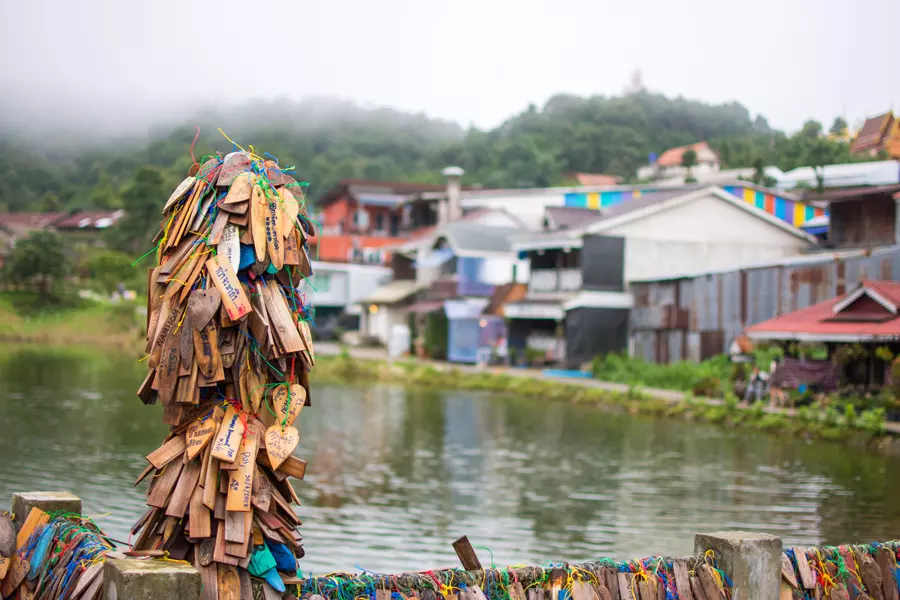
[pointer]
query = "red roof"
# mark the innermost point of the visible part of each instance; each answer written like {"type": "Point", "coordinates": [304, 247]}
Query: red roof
{"type": "Point", "coordinates": [868, 313]}
{"type": "Point", "coordinates": [28, 220]}
{"type": "Point", "coordinates": [871, 134]}
{"type": "Point", "coordinates": [673, 156]}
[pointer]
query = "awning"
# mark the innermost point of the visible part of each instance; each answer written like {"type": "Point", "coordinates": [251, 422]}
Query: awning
{"type": "Point", "coordinates": [435, 258]}
{"type": "Point", "coordinates": [393, 292]}
{"type": "Point", "coordinates": [592, 299]}
{"type": "Point", "coordinates": [470, 308]}
{"type": "Point", "coordinates": [429, 306]}
{"type": "Point", "coordinates": [534, 310]}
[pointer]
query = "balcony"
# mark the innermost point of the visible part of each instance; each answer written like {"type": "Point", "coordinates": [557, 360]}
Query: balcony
{"type": "Point", "coordinates": [551, 281]}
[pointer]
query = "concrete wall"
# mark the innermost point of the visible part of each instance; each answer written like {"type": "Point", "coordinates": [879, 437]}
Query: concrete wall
{"type": "Point", "coordinates": [704, 234]}
{"type": "Point", "coordinates": [344, 284]}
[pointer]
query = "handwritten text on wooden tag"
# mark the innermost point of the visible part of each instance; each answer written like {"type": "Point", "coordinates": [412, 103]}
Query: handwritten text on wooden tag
{"type": "Point", "coordinates": [198, 435]}
{"type": "Point", "coordinates": [233, 297]}
{"type": "Point", "coordinates": [228, 440]}
{"type": "Point", "coordinates": [280, 443]}
{"type": "Point", "coordinates": [240, 486]}
{"type": "Point", "coordinates": [288, 406]}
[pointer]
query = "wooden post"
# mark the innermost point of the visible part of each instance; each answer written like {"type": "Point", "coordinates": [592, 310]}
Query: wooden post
{"type": "Point", "coordinates": [466, 554]}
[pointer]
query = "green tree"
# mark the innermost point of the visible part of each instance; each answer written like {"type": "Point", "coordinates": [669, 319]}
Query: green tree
{"type": "Point", "coordinates": [142, 201]}
{"type": "Point", "coordinates": [50, 202]}
{"type": "Point", "coordinates": [38, 259]}
{"type": "Point", "coordinates": [839, 127]}
{"type": "Point", "coordinates": [688, 160]}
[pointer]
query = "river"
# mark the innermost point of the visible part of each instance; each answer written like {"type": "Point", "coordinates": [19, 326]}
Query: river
{"type": "Point", "coordinates": [396, 475]}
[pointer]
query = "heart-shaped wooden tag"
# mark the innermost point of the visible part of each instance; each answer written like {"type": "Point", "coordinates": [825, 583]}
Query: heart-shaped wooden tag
{"type": "Point", "coordinates": [202, 305]}
{"type": "Point", "coordinates": [288, 406]}
{"type": "Point", "coordinates": [198, 435]}
{"type": "Point", "coordinates": [280, 443]}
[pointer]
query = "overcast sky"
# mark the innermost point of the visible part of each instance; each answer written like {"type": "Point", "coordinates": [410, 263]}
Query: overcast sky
{"type": "Point", "coordinates": [125, 62]}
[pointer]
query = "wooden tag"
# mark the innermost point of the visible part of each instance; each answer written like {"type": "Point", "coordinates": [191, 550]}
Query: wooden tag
{"type": "Point", "coordinates": [280, 443]}
{"type": "Point", "coordinates": [274, 173]}
{"type": "Point", "coordinates": [198, 435]}
{"type": "Point", "coordinates": [206, 350]}
{"type": "Point", "coordinates": [167, 371]}
{"type": "Point", "coordinates": [291, 250]}
{"type": "Point", "coordinates": [240, 189]}
{"type": "Point", "coordinates": [682, 580]}
{"type": "Point", "coordinates": [240, 487]}
{"type": "Point", "coordinates": [179, 192]}
{"type": "Point", "coordinates": [288, 406]}
{"type": "Point", "coordinates": [234, 165]}
{"type": "Point", "coordinates": [17, 571]}
{"type": "Point", "coordinates": [233, 297]}
{"type": "Point", "coordinates": [218, 229]}
{"type": "Point", "coordinates": [228, 440]}
{"type": "Point", "coordinates": [202, 306]}
{"type": "Point", "coordinates": [291, 209]}
{"type": "Point", "coordinates": [306, 334]}
{"type": "Point", "coordinates": [229, 247]}
{"type": "Point", "coordinates": [259, 210]}
{"type": "Point", "coordinates": [229, 583]}
{"type": "Point", "coordinates": [274, 237]}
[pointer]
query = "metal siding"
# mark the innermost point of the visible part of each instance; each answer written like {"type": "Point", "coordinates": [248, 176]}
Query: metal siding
{"type": "Point", "coordinates": [714, 301]}
{"type": "Point", "coordinates": [673, 339]}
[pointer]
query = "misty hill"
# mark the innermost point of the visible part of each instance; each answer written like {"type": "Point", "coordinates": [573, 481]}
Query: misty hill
{"type": "Point", "coordinates": [328, 140]}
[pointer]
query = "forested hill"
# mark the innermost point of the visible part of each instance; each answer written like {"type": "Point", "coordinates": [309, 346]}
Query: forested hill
{"type": "Point", "coordinates": [329, 140]}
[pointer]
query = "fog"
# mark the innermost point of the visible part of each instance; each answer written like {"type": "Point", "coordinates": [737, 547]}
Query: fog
{"type": "Point", "coordinates": [119, 68]}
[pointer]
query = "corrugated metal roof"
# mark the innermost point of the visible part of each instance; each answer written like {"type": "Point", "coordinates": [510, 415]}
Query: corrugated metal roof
{"type": "Point", "coordinates": [567, 217]}
{"type": "Point", "coordinates": [393, 292]}
{"type": "Point", "coordinates": [474, 238]}
{"type": "Point", "coordinates": [826, 320]}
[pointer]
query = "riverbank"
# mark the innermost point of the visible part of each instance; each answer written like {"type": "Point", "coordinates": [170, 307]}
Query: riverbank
{"type": "Point", "coordinates": [68, 321]}
{"type": "Point", "coordinates": [866, 428]}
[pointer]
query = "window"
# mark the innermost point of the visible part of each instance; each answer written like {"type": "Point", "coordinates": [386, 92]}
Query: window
{"type": "Point", "coordinates": [379, 222]}
{"type": "Point", "coordinates": [373, 257]}
{"type": "Point", "coordinates": [322, 282]}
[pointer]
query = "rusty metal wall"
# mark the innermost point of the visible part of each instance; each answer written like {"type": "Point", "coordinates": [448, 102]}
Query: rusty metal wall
{"type": "Point", "coordinates": [715, 302]}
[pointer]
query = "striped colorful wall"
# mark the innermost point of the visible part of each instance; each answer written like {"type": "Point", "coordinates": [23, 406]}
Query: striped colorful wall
{"type": "Point", "coordinates": [795, 213]}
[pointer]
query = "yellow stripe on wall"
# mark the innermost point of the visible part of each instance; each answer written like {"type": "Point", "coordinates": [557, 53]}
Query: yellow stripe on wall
{"type": "Point", "coordinates": [749, 195]}
{"type": "Point", "coordinates": [799, 214]}
{"type": "Point", "coordinates": [593, 200]}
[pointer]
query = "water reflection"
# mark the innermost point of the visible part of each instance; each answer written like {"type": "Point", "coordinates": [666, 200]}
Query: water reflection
{"type": "Point", "coordinates": [396, 475]}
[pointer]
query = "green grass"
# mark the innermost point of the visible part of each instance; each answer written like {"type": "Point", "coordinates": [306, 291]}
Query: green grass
{"type": "Point", "coordinates": [68, 320]}
{"type": "Point", "coordinates": [827, 424]}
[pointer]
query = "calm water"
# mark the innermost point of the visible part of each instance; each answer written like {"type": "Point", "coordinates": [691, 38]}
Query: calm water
{"type": "Point", "coordinates": [396, 475]}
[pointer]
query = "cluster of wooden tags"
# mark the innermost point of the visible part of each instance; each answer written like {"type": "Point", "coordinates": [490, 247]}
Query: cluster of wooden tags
{"type": "Point", "coordinates": [841, 573]}
{"type": "Point", "coordinates": [54, 558]}
{"type": "Point", "coordinates": [230, 351]}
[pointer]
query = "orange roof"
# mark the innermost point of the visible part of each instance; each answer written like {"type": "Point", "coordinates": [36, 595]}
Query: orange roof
{"type": "Point", "coordinates": [673, 156]}
{"type": "Point", "coordinates": [596, 179]}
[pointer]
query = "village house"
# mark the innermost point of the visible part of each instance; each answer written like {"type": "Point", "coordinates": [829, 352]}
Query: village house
{"type": "Point", "coordinates": [78, 228]}
{"type": "Point", "coordinates": [697, 316]}
{"type": "Point", "coordinates": [671, 163]}
{"type": "Point", "coordinates": [581, 265]}
{"type": "Point", "coordinates": [451, 278]}
{"type": "Point", "coordinates": [878, 134]}
{"type": "Point", "coordinates": [867, 316]}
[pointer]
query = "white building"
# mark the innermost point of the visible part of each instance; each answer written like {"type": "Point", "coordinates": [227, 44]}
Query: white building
{"type": "Point", "coordinates": [670, 163]}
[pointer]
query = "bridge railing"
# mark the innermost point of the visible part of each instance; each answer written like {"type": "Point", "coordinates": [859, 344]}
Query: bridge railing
{"type": "Point", "coordinates": [725, 566]}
